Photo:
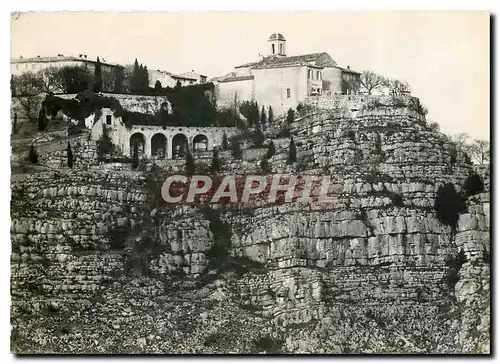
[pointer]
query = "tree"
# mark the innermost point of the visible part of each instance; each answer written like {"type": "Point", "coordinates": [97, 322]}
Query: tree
{"type": "Point", "coordinates": [397, 87]}
{"type": "Point", "coordinates": [14, 124]}
{"type": "Point", "coordinates": [215, 166]}
{"type": "Point", "coordinates": [225, 144]}
{"type": "Point", "coordinates": [270, 116]}
{"type": "Point", "coordinates": [473, 184]}
{"type": "Point", "coordinates": [42, 119]}
{"type": "Point", "coordinates": [264, 165]}
{"type": "Point", "coordinates": [479, 151]}
{"type": "Point", "coordinates": [370, 81]}
{"type": "Point", "coordinates": [292, 152]}
{"type": "Point", "coordinates": [271, 149]}
{"type": "Point", "coordinates": [12, 86]}
{"type": "Point", "coordinates": [98, 76]}
{"type": "Point", "coordinates": [158, 86]}
{"type": "Point", "coordinates": [290, 117]}
{"type": "Point", "coordinates": [119, 79]}
{"type": "Point", "coordinates": [108, 79]}
{"type": "Point", "coordinates": [135, 156]}
{"type": "Point", "coordinates": [134, 82]}
{"type": "Point", "coordinates": [178, 85]}
{"type": "Point", "coordinates": [190, 166]}
{"type": "Point", "coordinates": [33, 155]}
{"type": "Point", "coordinates": [70, 156]}
{"type": "Point", "coordinates": [75, 79]}
{"type": "Point", "coordinates": [449, 204]}
{"type": "Point", "coordinates": [263, 117]}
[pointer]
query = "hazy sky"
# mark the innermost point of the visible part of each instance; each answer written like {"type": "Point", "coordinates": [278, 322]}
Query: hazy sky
{"type": "Point", "coordinates": [444, 56]}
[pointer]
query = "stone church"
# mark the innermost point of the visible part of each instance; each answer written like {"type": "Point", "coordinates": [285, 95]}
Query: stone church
{"type": "Point", "coordinates": [283, 81]}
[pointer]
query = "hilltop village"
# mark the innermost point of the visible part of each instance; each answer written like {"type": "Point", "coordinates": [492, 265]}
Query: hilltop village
{"type": "Point", "coordinates": [396, 261]}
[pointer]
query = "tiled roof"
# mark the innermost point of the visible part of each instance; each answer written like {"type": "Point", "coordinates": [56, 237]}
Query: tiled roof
{"type": "Point", "coordinates": [236, 78]}
{"type": "Point", "coordinates": [348, 70]}
{"type": "Point", "coordinates": [322, 59]}
{"type": "Point", "coordinates": [58, 59]}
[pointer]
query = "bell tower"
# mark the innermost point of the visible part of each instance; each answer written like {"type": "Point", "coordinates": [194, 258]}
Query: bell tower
{"type": "Point", "coordinates": [277, 45]}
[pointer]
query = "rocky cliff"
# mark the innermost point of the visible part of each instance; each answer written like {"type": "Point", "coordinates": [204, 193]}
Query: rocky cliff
{"type": "Point", "coordinates": [99, 264]}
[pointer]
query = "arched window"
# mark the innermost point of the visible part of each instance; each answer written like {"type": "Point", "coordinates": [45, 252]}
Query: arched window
{"type": "Point", "coordinates": [200, 143]}
{"type": "Point", "coordinates": [139, 140]}
{"type": "Point", "coordinates": [159, 145]}
{"type": "Point", "coordinates": [180, 146]}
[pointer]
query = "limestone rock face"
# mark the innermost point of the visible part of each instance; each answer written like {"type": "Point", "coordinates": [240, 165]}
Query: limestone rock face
{"type": "Point", "coordinates": [99, 265]}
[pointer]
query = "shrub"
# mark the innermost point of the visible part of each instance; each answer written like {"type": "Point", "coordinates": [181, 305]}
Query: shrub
{"type": "Point", "coordinates": [271, 149]}
{"type": "Point", "coordinates": [236, 149]}
{"type": "Point", "coordinates": [448, 205]}
{"type": "Point", "coordinates": [221, 231]}
{"type": "Point", "coordinates": [104, 145]}
{"type": "Point", "coordinates": [33, 155]}
{"type": "Point", "coordinates": [454, 265]}
{"type": "Point", "coordinates": [473, 184]}
{"type": "Point", "coordinates": [258, 138]}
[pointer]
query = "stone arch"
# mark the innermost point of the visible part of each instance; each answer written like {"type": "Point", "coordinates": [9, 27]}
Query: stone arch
{"type": "Point", "coordinates": [180, 146]}
{"type": "Point", "coordinates": [159, 145]}
{"type": "Point", "coordinates": [200, 143]}
{"type": "Point", "coordinates": [140, 140]}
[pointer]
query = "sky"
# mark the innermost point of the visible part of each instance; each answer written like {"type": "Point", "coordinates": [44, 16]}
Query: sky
{"type": "Point", "coordinates": [444, 56]}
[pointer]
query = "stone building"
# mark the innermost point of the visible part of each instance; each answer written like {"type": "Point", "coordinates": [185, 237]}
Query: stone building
{"type": "Point", "coordinates": [283, 81]}
{"type": "Point", "coordinates": [168, 79]}
{"type": "Point", "coordinates": [22, 65]}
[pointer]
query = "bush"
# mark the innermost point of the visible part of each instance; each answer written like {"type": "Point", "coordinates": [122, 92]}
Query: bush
{"type": "Point", "coordinates": [225, 143]}
{"type": "Point", "coordinates": [473, 184]}
{"type": "Point", "coordinates": [104, 145]}
{"type": "Point", "coordinates": [236, 151]}
{"type": "Point", "coordinates": [271, 149]}
{"type": "Point", "coordinates": [221, 231]}
{"type": "Point", "coordinates": [33, 155]}
{"type": "Point", "coordinates": [454, 265]}
{"type": "Point", "coordinates": [448, 205]}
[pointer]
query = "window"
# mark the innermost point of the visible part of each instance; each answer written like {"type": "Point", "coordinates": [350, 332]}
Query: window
{"type": "Point", "coordinates": [272, 46]}
{"type": "Point", "coordinates": [318, 75]}
{"type": "Point", "coordinates": [108, 119]}
{"type": "Point", "coordinates": [281, 48]}
{"type": "Point", "coordinates": [288, 93]}
{"type": "Point", "coordinates": [310, 74]}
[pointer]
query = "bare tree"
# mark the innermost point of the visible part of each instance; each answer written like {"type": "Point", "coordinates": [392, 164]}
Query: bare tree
{"type": "Point", "coordinates": [460, 140]}
{"type": "Point", "coordinates": [29, 90]}
{"type": "Point", "coordinates": [371, 81]}
{"type": "Point", "coordinates": [479, 151]}
{"type": "Point", "coordinates": [52, 80]}
{"type": "Point", "coordinates": [397, 87]}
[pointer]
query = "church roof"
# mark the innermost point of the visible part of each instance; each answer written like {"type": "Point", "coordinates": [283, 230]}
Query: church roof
{"type": "Point", "coordinates": [276, 36]}
{"type": "Point", "coordinates": [322, 59]}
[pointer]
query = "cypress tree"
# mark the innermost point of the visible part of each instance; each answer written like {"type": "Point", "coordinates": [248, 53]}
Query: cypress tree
{"type": "Point", "coordinates": [98, 76]}
{"type": "Point", "coordinates": [119, 78]}
{"type": "Point", "coordinates": [42, 122]}
{"type": "Point", "coordinates": [271, 150]}
{"type": "Point", "coordinates": [264, 165]}
{"type": "Point", "coordinates": [225, 143]}
{"type": "Point", "coordinates": [215, 166]}
{"type": "Point", "coordinates": [292, 152]}
{"type": "Point", "coordinates": [158, 87]}
{"type": "Point", "coordinates": [33, 155]}
{"type": "Point", "coordinates": [263, 118]}
{"type": "Point", "coordinates": [271, 115]}
{"type": "Point", "coordinates": [290, 117]}
{"type": "Point", "coordinates": [190, 166]}
{"type": "Point", "coordinates": [70, 156]}
{"type": "Point", "coordinates": [14, 124]}
{"type": "Point", "coordinates": [135, 157]}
